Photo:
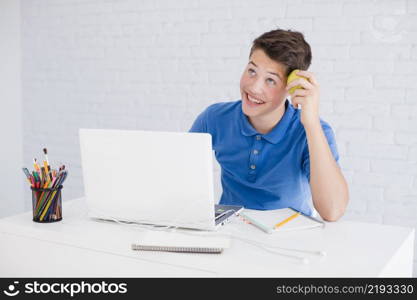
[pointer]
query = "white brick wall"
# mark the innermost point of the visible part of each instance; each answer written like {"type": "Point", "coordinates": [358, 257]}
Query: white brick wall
{"type": "Point", "coordinates": [157, 64]}
{"type": "Point", "coordinates": [11, 152]}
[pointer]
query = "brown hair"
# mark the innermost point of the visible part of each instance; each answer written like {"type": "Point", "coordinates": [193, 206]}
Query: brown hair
{"type": "Point", "coordinates": [286, 47]}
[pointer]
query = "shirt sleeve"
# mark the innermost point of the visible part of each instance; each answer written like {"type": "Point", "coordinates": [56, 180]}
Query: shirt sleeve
{"type": "Point", "coordinates": [331, 140]}
{"type": "Point", "coordinates": [200, 123]}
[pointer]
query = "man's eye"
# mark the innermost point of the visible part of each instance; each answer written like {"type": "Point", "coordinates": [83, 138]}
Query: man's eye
{"type": "Point", "coordinates": [251, 71]}
{"type": "Point", "coordinates": [271, 81]}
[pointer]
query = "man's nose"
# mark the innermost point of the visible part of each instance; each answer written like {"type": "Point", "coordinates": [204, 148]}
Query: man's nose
{"type": "Point", "coordinates": [257, 86]}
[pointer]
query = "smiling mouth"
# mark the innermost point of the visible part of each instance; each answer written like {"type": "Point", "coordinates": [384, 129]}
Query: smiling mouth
{"type": "Point", "coordinates": [253, 100]}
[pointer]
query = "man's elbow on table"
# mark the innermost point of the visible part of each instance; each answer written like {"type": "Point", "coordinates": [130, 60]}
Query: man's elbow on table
{"type": "Point", "coordinates": [333, 217]}
{"type": "Point", "coordinates": [335, 213]}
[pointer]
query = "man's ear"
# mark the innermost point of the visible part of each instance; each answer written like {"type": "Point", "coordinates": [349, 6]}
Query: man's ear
{"type": "Point", "coordinates": [287, 93]}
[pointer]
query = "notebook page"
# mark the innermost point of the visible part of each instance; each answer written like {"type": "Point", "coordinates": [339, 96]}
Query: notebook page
{"type": "Point", "coordinates": [270, 218]}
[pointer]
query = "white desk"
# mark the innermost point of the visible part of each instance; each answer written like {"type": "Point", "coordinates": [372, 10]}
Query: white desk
{"type": "Point", "coordinates": [80, 247]}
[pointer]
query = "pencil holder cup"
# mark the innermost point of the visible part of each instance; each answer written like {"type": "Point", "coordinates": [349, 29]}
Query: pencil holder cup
{"type": "Point", "coordinates": [47, 204]}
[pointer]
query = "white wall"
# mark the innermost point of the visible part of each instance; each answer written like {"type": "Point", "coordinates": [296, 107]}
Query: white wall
{"type": "Point", "coordinates": [11, 151]}
{"type": "Point", "coordinates": [156, 64]}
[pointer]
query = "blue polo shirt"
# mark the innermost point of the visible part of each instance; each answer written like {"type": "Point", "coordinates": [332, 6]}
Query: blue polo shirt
{"type": "Point", "coordinates": [261, 171]}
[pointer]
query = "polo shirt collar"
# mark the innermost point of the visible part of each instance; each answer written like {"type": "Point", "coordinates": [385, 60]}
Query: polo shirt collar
{"type": "Point", "coordinates": [277, 133]}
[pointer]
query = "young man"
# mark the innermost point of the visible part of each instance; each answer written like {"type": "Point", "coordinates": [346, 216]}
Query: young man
{"type": "Point", "coordinates": [272, 154]}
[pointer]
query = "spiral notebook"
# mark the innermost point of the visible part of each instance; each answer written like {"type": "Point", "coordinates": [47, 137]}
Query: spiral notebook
{"type": "Point", "coordinates": [284, 219]}
{"type": "Point", "coordinates": [181, 242]}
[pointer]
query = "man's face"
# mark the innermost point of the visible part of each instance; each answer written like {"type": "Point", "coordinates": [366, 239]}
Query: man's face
{"type": "Point", "coordinates": [262, 85]}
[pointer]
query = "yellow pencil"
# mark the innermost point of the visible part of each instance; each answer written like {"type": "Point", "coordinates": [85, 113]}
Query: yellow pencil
{"type": "Point", "coordinates": [35, 165]}
{"type": "Point", "coordinates": [45, 164]}
{"type": "Point", "coordinates": [47, 206]}
{"type": "Point", "coordinates": [287, 220]}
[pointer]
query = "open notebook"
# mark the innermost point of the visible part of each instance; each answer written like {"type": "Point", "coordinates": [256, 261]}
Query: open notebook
{"type": "Point", "coordinates": [181, 242]}
{"type": "Point", "coordinates": [284, 219]}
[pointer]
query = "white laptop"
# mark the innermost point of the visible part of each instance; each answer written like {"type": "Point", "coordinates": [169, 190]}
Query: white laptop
{"type": "Point", "coordinates": [148, 177]}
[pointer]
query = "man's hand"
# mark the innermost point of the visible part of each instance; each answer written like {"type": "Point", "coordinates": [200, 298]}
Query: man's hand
{"type": "Point", "coordinates": [308, 97]}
